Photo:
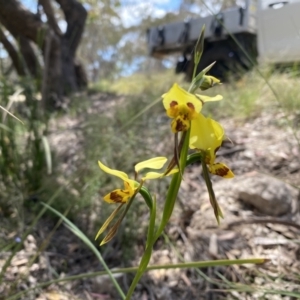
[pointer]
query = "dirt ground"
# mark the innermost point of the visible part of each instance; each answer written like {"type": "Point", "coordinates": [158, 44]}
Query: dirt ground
{"type": "Point", "coordinates": [257, 147]}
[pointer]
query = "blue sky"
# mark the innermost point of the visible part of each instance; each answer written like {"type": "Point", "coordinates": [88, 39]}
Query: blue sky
{"type": "Point", "coordinates": [167, 5]}
{"type": "Point", "coordinates": [131, 11]}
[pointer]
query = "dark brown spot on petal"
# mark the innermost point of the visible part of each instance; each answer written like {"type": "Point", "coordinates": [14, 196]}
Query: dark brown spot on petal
{"type": "Point", "coordinates": [116, 197]}
{"type": "Point", "coordinates": [222, 171]}
{"type": "Point", "coordinates": [185, 117]}
{"type": "Point", "coordinates": [180, 126]}
{"type": "Point", "coordinates": [173, 103]}
{"type": "Point", "coordinates": [191, 105]}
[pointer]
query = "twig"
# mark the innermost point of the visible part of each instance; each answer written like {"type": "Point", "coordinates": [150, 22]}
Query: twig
{"type": "Point", "coordinates": [263, 221]}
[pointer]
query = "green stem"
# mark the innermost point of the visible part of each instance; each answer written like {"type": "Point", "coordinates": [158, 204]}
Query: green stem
{"type": "Point", "coordinates": [174, 188]}
{"type": "Point", "coordinates": [193, 158]}
{"type": "Point", "coordinates": [147, 197]}
{"type": "Point", "coordinates": [151, 227]}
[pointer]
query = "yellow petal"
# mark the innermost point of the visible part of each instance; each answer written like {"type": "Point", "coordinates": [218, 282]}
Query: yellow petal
{"type": "Point", "coordinates": [221, 169]}
{"type": "Point", "coordinates": [180, 96]}
{"type": "Point", "coordinates": [155, 175]}
{"type": "Point", "coordinates": [204, 98]}
{"type": "Point", "coordinates": [152, 163]}
{"type": "Point", "coordinates": [193, 140]}
{"type": "Point", "coordinates": [116, 173]}
{"type": "Point", "coordinates": [206, 134]}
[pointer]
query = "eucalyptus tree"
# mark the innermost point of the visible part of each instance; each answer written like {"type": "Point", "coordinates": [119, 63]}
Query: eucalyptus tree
{"type": "Point", "coordinates": [40, 48]}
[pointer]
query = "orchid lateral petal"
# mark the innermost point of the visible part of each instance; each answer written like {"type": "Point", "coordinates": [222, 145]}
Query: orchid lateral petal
{"type": "Point", "coordinates": [204, 98]}
{"type": "Point", "coordinates": [116, 173]}
{"type": "Point", "coordinates": [217, 210]}
{"type": "Point", "coordinates": [212, 197]}
{"type": "Point", "coordinates": [155, 175]}
{"type": "Point", "coordinates": [171, 165]}
{"type": "Point", "coordinates": [109, 219]}
{"type": "Point", "coordinates": [152, 163]}
{"type": "Point", "coordinates": [112, 232]}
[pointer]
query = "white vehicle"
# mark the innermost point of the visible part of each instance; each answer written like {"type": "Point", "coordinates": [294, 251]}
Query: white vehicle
{"type": "Point", "coordinates": [269, 31]}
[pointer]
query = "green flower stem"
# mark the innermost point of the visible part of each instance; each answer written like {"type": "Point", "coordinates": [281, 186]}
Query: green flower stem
{"type": "Point", "coordinates": [151, 227]}
{"type": "Point", "coordinates": [147, 197]}
{"type": "Point", "coordinates": [174, 188]}
{"type": "Point", "coordinates": [152, 207]}
{"type": "Point", "coordinates": [167, 212]}
{"type": "Point", "coordinates": [193, 158]}
{"type": "Point", "coordinates": [199, 264]}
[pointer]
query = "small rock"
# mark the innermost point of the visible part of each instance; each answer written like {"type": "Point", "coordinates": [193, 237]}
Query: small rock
{"type": "Point", "coordinates": [30, 243]}
{"type": "Point", "coordinates": [267, 194]}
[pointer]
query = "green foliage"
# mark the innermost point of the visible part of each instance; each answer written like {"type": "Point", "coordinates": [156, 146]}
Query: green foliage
{"type": "Point", "coordinates": [24, 148]}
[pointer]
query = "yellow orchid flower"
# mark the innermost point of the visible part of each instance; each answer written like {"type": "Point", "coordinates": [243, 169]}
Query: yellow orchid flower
{"type": "Point", "coordinates": [181, 106]}
{"type": "Point", "coordinates": [207, 136]}
{"type": "Point", "coordinates": [119, 195]}
{"type": "Point", "coordinates": [130, 186]}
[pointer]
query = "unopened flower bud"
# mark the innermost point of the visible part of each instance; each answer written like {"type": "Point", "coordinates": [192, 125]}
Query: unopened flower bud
{"type": "Point", "coordinates": [208, 82]}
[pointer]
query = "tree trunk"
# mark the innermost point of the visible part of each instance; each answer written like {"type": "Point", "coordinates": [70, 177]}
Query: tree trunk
{"type": "Point", "coordinates": [29, 57]}
{"type": "Point", "coordinates": [60, 68]}
{"type": "Point", "coordinates": [75, 15]}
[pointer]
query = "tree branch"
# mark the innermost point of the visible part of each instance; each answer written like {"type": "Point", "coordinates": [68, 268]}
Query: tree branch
{"type": "Point", "coordinates": [50, 16]}
{"type": "Point", "coordinates": [20, 21]}
{"type": "Point", "coordinates": [13, 54]}
{"type": "Point", "coordinates": [75, 15]}
{"type": "Point", "coordinates": [29, 56]}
